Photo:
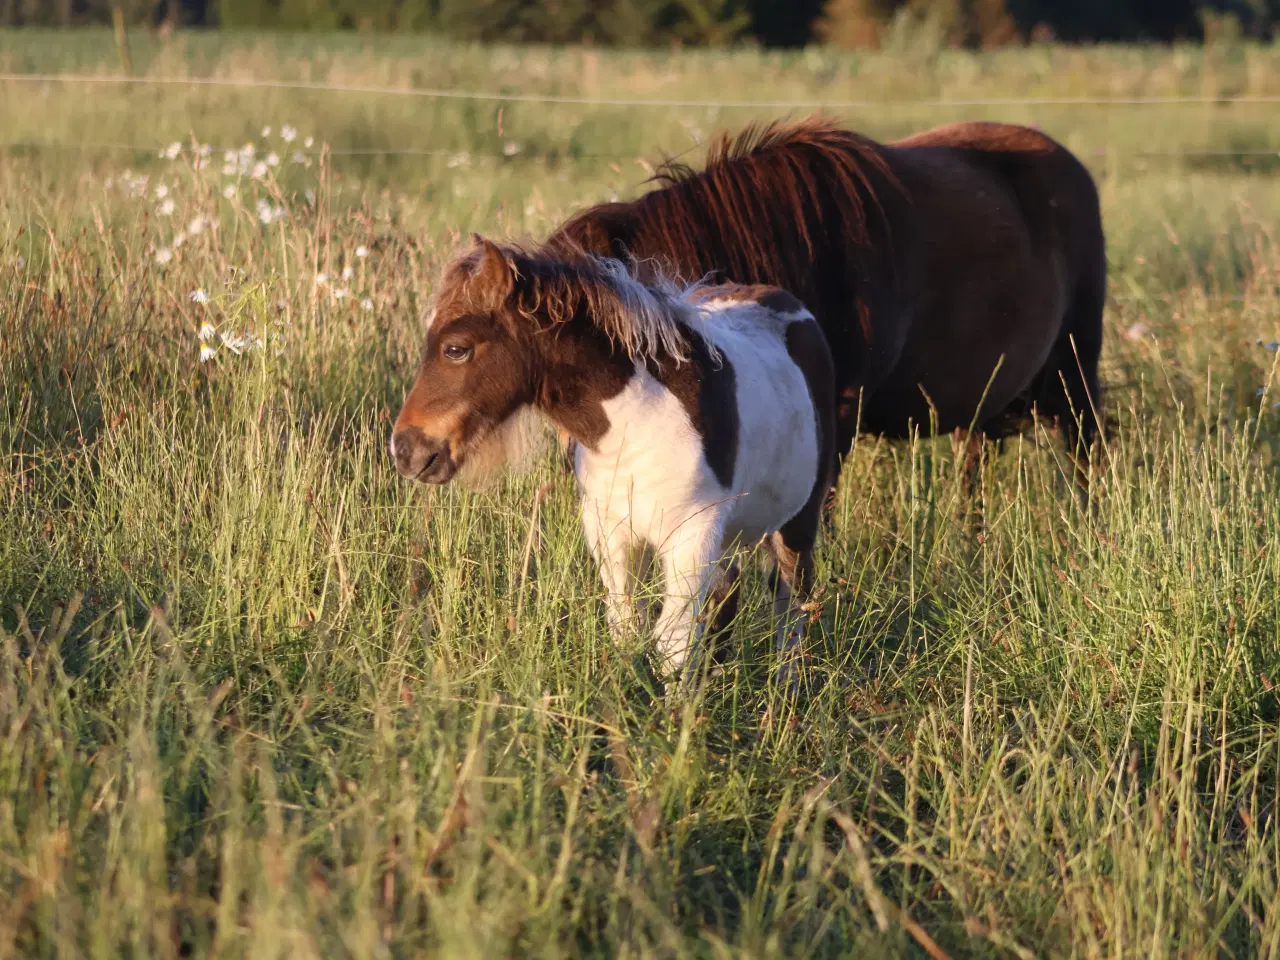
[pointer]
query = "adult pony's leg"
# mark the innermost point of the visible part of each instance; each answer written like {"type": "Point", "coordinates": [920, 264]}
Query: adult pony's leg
{"type": "Point", "coordinates": [1069, 391]}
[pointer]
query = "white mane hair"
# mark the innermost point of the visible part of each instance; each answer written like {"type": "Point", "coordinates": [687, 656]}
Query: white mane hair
{"type": "Point", "coordinates": [644, 318]}
{"type": "Point", "coordinates": [648, 323]}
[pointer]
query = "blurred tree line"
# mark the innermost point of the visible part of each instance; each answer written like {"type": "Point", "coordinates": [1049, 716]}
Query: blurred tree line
{"type": "Point", "coordinates": [844, 23]}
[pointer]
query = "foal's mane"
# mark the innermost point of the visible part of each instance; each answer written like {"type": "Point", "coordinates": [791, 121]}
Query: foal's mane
{"type": "Point", "coordinates": [649, 321]}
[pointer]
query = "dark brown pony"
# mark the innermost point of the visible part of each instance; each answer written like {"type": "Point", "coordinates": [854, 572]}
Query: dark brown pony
{"type": "Point", "coordinates": [959, 274]}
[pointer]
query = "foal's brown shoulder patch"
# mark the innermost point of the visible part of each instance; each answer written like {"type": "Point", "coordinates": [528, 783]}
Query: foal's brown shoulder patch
{"type": "Point", "coordinates": [707, 388]}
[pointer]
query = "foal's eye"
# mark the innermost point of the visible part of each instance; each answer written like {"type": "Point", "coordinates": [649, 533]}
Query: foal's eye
{"type": "Point", "coordinates": [456, 353]}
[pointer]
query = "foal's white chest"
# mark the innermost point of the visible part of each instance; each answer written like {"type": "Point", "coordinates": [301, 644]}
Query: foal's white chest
{"type": "Point", "coordinates": [649, 466]}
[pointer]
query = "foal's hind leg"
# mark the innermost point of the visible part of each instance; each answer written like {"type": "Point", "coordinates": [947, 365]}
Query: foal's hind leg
{"type": "Point", "coordinates": [722, 608]}
{"type": "Point", "coordinates": [791, 580]}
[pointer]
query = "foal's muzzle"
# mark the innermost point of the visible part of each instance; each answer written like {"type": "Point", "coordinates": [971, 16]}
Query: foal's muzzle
{"type": "Point", "coordinates": [423, 458]}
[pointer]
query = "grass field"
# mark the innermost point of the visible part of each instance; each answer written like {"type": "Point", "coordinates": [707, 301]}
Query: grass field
{"type": "Point", "coordinates": [259, 697]}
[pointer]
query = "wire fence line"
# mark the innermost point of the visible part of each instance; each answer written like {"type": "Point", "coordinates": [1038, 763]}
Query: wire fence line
{"type": "Point", "coordinates": [532, 155]}
{"type": "Point", "coordinates": [521, 154]}
{"type": "Point", "coordinates": [500, 97]}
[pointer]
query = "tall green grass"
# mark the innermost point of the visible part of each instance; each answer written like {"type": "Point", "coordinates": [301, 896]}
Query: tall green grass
{"type": "Point", "coordinates": [260, 697]}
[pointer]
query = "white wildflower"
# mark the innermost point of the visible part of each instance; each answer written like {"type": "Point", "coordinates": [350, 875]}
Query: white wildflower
{"type": "Point", "coordinates": [366, 304]}
{"type": "Point", "coordinates": [166, 207]}
{"type": "Point", "coordinates": [362, 251]}
{"type": "Point", "coordinates": [204, 150]}
{"type": "Point", "coordinates": [207, 352]}
{"type": "Point", "coordinates": [510, 148]}
{"type": "Point", "coordinates": [199, 296]}
{"type": "Point", "coordinates": [240, 343]}
{"type": "Point", "coordinates": [266, 131]}
{"type": "Point", "coordinates": [341, 293]}
{"type": "Point", "coordinates": [273, 159]}
{"type": "Point", "coordinates": [300, 157]}
{"type": "Point", "coordinates": [308, 142]}
{"type": "Point", "coordinates": [179, 239]}
{"type": "Point", "coordinates": [196, 226]}
{"type": "Point", "coordinates": [164, 255]}
{"type": "Point", "coordinates": [348, 273]}
{"type": "Point", "coordinates": [230, 169]}
{"type": "Point", "coordinates": [321, 279]}
{"type": "Point", "coordinates": [269, 214]}
{"type": "Point", "coordinates": [1137, 331]}
{"type": "Point", "coordinates": [288, 134]}
{"type": "Point", "coordinates": [161, 191]}
{"type": "Point", "coordinates": [173, 151]}
{"type": "Point", "coordinates": [229, 191]}
{"type": "Point", "coordinates": [207, 331]}
{"type": "Point", "coordinates": [259, 170]}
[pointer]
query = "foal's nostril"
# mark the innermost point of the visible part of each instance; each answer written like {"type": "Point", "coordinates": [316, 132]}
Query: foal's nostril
{"type": "Point", "coordinates": [403, 448]}
{"type": "Point", "coordinates": [418, 456]}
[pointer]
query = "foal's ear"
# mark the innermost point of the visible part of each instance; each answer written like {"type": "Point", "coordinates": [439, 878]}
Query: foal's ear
{"type": "Point", "coordinates": [494, 273]}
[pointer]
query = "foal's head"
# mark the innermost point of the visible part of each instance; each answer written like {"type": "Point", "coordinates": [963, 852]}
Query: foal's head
{"type": "Point", "coordinates": [513, 330]}
{"type": "Point", "coordinates": [476, 370]}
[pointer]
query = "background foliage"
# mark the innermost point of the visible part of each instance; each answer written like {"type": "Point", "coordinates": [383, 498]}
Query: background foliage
{"type": "Point", "coordinates": [850, 23]}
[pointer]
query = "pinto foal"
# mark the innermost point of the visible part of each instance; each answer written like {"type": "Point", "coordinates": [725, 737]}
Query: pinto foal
{"type": "Point", "coordinates": [699, 417]}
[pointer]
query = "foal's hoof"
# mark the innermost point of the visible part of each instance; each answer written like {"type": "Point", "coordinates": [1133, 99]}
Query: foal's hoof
{"type": "Point", "coordinates": [787, 680]}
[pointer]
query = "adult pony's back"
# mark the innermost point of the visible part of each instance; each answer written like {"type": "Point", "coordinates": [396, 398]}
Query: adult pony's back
{"type": "Point", "coordinates": [959, 275]}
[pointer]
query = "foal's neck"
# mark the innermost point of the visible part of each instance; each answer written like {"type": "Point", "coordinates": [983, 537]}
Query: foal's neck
{"type": "Point", "coordinates": [580, 369]}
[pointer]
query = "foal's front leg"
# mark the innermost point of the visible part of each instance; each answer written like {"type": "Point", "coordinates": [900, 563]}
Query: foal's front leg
{"type": "Point", "coordinates": [689, 565]}
{"type": "Point", "coordinates": [617, 552]}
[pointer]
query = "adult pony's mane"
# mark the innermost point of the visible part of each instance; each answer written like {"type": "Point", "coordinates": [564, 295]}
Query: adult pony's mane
{"type": "Point", "coordinates": [767, 207]}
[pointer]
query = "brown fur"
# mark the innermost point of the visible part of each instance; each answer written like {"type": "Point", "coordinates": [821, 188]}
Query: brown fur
{"type": "Point", "coordinates": [959, 275]}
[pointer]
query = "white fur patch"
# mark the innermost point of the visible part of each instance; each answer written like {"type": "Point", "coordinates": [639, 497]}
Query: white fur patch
{"type": "Point", "coordinates": [515, 444]}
